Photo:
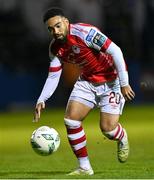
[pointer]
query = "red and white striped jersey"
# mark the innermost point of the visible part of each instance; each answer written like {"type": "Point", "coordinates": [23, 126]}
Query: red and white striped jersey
{"type": "Point", "coordinates": [86, 46]}
{"type": "Point", "coordinates": [100, 59]}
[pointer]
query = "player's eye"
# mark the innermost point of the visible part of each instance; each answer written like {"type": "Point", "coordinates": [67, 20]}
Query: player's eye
{"type": "Point", "coordinates": [58, 26]}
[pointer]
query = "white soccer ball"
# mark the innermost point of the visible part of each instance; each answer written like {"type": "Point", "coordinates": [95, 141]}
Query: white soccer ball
{"type": "Point", "coordinates": [45, 140]}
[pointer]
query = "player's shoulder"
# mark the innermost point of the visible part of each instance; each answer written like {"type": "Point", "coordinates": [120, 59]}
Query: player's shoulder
{"type": "Point", "coordinates": [82, 30]}
{"type": "Point", "coordinates": [81, 27]}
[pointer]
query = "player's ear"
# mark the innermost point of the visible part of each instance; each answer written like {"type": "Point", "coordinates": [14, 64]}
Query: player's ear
{"type": "Point", "coordinates": [66, 20]}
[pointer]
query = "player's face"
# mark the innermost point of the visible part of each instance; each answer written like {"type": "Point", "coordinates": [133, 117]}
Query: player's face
{"type": "Point", "coordinates": [58, 27]}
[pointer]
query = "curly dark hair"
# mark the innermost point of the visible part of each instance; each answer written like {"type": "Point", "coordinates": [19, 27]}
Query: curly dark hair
{"type": "Point", "coordinates": [54, 11]}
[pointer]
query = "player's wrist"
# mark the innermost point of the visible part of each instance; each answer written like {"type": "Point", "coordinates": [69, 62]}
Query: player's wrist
{"type": "Point", "coordinates": [123, 78]}
{"type": "Point", "coordinates": [124, 84]}
{"type": "Point", "coordinates": [40, 102]}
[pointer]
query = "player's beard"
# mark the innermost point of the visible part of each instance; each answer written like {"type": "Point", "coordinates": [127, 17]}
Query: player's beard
{"type": "Point", "coordinates": [61, 38]}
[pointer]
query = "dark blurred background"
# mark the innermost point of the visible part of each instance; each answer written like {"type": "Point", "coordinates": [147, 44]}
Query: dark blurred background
{"type": "Point", "coordinates": [24, 44]}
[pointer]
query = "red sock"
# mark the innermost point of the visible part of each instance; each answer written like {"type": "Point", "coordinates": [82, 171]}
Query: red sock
{"type": "Point", "coordinates": [115, 134]}
{"type": "Point", "coordinates": [76, 137]}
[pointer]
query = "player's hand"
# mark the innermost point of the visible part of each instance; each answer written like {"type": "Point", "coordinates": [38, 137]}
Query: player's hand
{"type": "Point", "coordinates": [127, 92]}
{"type": "Point", "coordinates": [37, 112]}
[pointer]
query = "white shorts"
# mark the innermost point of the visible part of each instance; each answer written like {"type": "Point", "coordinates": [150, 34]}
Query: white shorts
{"type": "Point", "coordinates": [107, 96]}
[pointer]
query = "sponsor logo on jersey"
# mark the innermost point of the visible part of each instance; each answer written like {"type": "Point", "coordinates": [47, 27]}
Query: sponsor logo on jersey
{"type": "Point", "coordinates": [99, 40]}
{"type": "Point", "coordinates": [90, 35]}
{"type": "Point", "coordinates": [75, 49]}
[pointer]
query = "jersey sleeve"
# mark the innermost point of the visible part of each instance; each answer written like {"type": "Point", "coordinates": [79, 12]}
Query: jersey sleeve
{"type": "Point", "coordinates": [119, 62]}
{"type": "Point", "coordinates": [97, 40]}
{"type": "Point", "coordinates": [55, 63]}
{"type": "Point", "coordinates": [55, 69]}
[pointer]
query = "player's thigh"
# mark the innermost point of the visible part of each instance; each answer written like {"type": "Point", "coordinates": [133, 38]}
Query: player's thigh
{"type": "Point", "coordinates": [81, 101]}
{"type": "Point", "coordinates": [108, 121]}
{"type": "Point", "coordinates": [76, 110]}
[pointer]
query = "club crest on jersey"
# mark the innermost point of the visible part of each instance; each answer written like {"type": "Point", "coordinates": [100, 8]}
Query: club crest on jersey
{"type": "Point", "coordinates": [75, 49]}
{"type": "Point", "coordinates": [99, 40]}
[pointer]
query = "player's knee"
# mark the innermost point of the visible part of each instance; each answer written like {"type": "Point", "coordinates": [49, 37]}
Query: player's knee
{"type": "Point", "coordinates": [107, 126]}
{"type": "Point", "coordinates": [71, 122]}
{"type": "Point", "coordinates": [106, 129]}
{"type": "Point", "coordinates": [72, 115]}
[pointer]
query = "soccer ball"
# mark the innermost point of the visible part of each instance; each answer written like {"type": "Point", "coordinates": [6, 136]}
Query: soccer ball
{"type": "Point", "coordinates": [45, 140]}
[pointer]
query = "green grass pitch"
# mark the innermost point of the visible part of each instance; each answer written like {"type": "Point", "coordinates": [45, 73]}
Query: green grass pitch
{"type": "Point", "coordinates": [18, 160]}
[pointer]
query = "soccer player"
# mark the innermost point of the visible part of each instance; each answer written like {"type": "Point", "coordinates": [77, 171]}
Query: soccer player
{"type": "Point", "coordinates": [103, 82]}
